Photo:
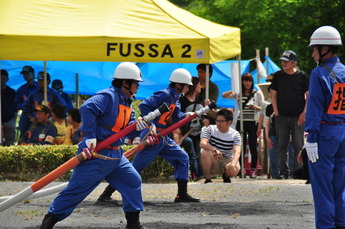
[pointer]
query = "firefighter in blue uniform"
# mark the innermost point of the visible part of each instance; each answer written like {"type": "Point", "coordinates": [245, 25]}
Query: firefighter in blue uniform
{"type": "Point", "coordinates": [22, 94]}
{"type": "Point", "coordinates": [166, 147]}
{"type": "Point", "coordinates": [42, 132]}
{"type": "Point", "coordinates": [325, 124]}
{"type": "Point", "coordinates": [37, 96]}
{"type": "Point", "coordinates": [104, 114]}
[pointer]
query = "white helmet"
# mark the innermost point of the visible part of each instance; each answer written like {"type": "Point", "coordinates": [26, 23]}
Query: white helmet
{"type": "Point", "coordinates": [181, 76]}
{"type": "Point", "coordinates": [127, 71]}
{"type": "Point", "coordinates": [325, 35]}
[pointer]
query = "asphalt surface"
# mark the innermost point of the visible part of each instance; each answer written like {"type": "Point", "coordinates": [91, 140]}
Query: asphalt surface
{"type": "Point", "coordinates": [245, 203]}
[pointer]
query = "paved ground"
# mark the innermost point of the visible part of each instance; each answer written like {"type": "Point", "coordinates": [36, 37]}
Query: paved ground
{"type": "Point", "coordinates": [245, 203]}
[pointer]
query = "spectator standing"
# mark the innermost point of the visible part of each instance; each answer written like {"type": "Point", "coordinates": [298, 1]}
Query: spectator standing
{"type": "Point", "coordinates": [251, 107]}
{"type": "Point", "coordinates": [73, 134]}
{"type": "Point", "coordinates": [325, 124]}
{"type": "Point", "coordinates": [213, 88]}
{"type": "Point", "coordinates": [58, 86]}
{"type": "Point", "coordinates": [8, 111]}
{"type": "Point", "coordinates": [221, 148]}
{"type": "Point", "coordinates": [60, 122]}
{"type": "Point", "coordinates": [42, 132]}
{"type": "Point", "coordinates": [192, 102]}
{"type": "Point", "coordinates": [271, 140]}
{"type": "Point", "coordinates": [22, 94]}
{"type": "Point", "coordinates": [289, 90]}
{"type": "Point", "coordinates": [37, 96]}
{"type": "Point", "coordinates": [102, 115]}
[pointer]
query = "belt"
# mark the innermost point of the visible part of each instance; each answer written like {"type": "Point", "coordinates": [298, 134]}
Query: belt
{"type": "Point", "coordinates": [332, 123]}
{"type": "Point", "coordinates": [113, 147]}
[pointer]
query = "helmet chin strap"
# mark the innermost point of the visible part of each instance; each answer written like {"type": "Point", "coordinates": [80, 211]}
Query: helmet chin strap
{"type": "Point", "coordinates": [321, 55]}
{"type": "Point", "coordinates": [180, 89]}
{"type": "Point", "coordinates": [129, 89]}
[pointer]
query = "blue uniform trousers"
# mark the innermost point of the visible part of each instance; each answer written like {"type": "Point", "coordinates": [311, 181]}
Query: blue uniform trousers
{"type": "Point", "coordinates": [327, 177]}
{"type": "Point", "coordinates": [170, 151]}
{"type": "Point", "coordinates": [89, 174]}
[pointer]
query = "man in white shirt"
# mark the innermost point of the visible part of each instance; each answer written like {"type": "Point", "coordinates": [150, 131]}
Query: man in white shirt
{"type": "Point", "coordinates": [221, 148]}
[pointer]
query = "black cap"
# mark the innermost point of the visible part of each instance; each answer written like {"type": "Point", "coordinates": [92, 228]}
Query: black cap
{"type": "Point", "coordinates": [27, 68]}
{"type": "Point", "coordinates": [289, 55]}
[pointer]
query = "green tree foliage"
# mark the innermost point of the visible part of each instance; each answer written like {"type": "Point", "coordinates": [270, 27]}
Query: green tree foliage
{"type": "Point", "coordinates": [276, 24]}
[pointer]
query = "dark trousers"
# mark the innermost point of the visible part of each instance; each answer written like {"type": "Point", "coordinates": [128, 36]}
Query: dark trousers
{"type": "Point", "coordinates": [249, 128]}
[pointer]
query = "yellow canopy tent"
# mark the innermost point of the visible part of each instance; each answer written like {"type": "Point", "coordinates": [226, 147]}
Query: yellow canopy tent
{"type": "Point", "coordinates": [111, 30]}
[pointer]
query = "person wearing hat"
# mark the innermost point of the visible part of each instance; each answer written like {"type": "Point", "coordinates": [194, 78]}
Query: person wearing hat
{"type": "Point", "coordinates": [325, 124]}
{"type": "Point", "coordinates": [103, 115]}
{"type": "Point", "coordinates": [42, 132]}
{"type": "Point", "coordinates": [8, 111]}
{"type": "Point", "coordinates": [22, 94]}
{"type": "Point", "coordinates": [58, 86]}
{"type": "Point", "coordinates": [37, 97]}
{"type": "Point", "coordinates": [289, 90]}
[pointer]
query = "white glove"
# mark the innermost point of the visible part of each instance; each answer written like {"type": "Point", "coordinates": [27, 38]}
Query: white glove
{"type": "Point", "coordinates": [141, 124]}
{"type": "Point", "coordinates": [311, 148]}
{"type": "Point", "coordinates": [91, 143]}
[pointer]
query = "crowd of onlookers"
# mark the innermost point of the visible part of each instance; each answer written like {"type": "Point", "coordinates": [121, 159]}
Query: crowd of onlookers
{"type": "Point", "coordinates": [40, 122]}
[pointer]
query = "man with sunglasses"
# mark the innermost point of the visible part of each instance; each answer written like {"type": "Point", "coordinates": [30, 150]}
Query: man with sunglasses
{"type": "Point", "coordinates": [221, 148]}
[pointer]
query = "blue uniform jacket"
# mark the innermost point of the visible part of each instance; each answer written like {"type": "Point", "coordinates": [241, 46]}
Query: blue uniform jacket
{"type": "Point", "coordinates": [99, 114]}
{"type": "Point", "coordinates": [67, 99]}
{"type": "Point", "coordinates": [23, 93]}
{"type": "Point", "coordinates": [38, 132]}
{"type": "Point", "coordinates": [320, 96]}
{"type": "Point", "coordinates": [169, 96]}
{"type": "Point", "coordinates": [36, 98]}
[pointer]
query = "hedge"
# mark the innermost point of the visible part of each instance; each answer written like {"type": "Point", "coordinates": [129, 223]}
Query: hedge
{"type": "Point", "coordinates": [29, 163]}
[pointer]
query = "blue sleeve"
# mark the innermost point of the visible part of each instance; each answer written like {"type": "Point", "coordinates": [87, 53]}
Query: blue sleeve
{"type": "Point", "coordinates": [52, 131]}
{"type": "Point", "coordinates": [315, 105]}
{"type": "Point", "coordinates": [178, 114]}
{"type": "Point", "coordinates": [27, 105]}
{"type": "Point", "coordinates": [58, 99]}
{"type": "Point", "coordinates": [18, 100]}
{"type": "Point", "coordinates": [68, 101]}
{"type": "Point", "coordinates": [93, 107]}
{"type": "Point", "coordinates": [153, 102]}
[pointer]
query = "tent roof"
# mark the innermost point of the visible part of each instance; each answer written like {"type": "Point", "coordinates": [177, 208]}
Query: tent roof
{"type": "Point", "coordinates": [111, 30]}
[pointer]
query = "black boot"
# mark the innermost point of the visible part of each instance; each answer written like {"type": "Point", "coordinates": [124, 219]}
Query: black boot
{"type": "Point", "coordinates": [105, 197]}
{"type": "Point", "coordinates": [182, 195]}
{"type": "Point", "coordinates": [49, 221]}
{"type": "Point", "coordinates": [133, 220]}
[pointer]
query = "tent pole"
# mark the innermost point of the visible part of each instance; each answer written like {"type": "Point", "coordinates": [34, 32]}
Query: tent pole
{"type": "Point", "coordinates": [257, 66]}
{"type": "Point", "coordinates": [0, 110]}
{"type": "Point", "coordinates": [266, 54]}
{"type": "Point", "coordinates": [241, 116]}
{"type": "Point", "coordinates": [207, 94]}
{"type": "Point", "coordinates": [45, 84]}
{"type": "Point", "coordinates": [77, 90]}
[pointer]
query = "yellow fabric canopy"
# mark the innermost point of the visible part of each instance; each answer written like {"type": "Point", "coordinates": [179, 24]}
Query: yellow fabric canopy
{"type": "Point", "coordinates": [111, 30]}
